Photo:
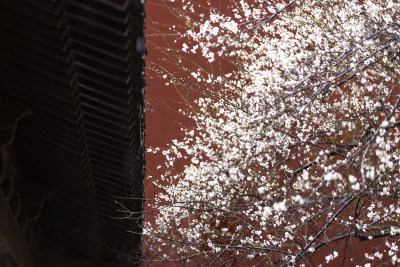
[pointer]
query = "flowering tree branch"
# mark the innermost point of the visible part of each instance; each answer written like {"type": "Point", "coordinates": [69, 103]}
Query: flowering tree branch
{"type": "Point", "coordinates": [296, 141]}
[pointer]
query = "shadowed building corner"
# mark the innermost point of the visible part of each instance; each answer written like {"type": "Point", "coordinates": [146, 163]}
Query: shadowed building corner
{"type": "Point", "coordinates": [71, 132]}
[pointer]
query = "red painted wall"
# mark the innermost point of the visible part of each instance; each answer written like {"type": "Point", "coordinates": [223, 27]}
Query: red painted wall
{"type": "Point", "coordinates": [163, 123]}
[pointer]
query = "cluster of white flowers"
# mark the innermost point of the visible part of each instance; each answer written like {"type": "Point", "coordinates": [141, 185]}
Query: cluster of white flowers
{"type": "Point", "coordinates": [296, 137]}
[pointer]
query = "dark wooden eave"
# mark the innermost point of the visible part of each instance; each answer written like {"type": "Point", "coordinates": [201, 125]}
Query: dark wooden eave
{"type": "Point", "coordinates": [79, 66]}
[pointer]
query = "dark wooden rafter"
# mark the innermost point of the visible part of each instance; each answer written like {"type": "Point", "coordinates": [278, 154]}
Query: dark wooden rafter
{"type": "Point", "coordinates": [79, 65]}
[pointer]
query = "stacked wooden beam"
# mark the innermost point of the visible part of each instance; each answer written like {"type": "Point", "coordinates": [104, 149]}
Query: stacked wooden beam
{"type": "Point", "coordinates": [79, 66]}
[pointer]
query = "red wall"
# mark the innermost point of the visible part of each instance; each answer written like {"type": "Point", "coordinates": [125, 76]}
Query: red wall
{"type": "Point", "coordinates": [162, 119]}
{"type": "Point", "coordinates": [163, 123]}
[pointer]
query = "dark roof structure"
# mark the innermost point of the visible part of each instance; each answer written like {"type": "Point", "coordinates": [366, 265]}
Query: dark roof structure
{"type": "Point", "coordinates": [79, 67]}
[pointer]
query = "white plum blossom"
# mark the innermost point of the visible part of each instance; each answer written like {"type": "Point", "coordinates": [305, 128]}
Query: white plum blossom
{"type": "Point", "coordinates": [296, 138]}
{"type": "Point", "coordinates": [352, 179]}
